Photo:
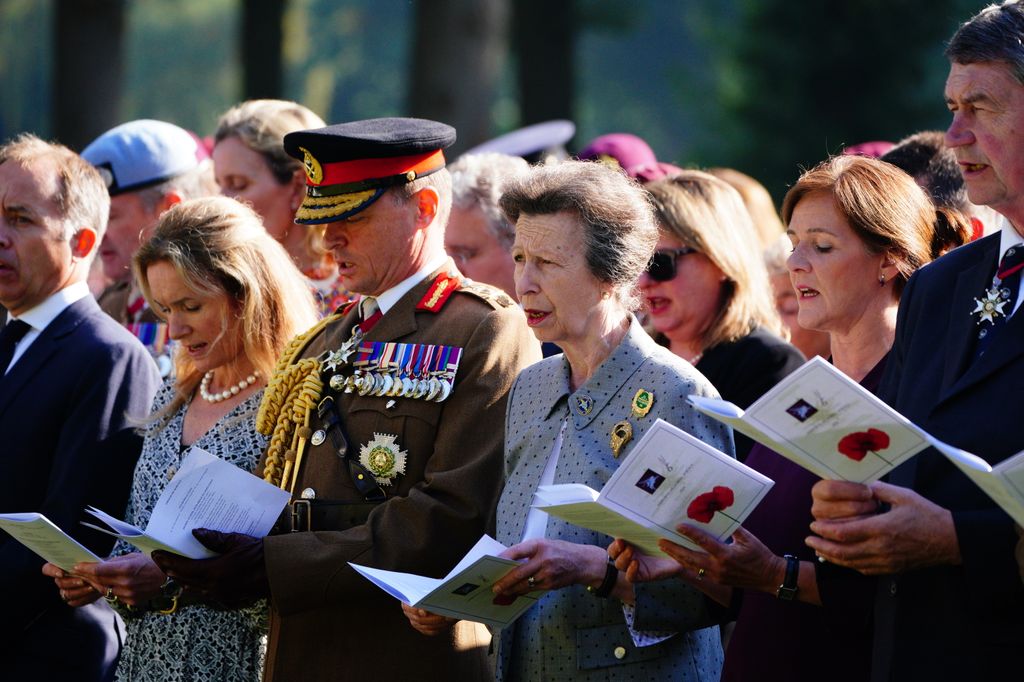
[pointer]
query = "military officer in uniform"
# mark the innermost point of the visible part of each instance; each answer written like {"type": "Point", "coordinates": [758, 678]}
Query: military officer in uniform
{"type": "Point", "coordinates": [386, 420]}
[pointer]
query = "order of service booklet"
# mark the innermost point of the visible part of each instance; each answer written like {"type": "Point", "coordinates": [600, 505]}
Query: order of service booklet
{"type": "Point", "coordinates": [1004, 483]}
{"type": "Point", "coordinates": [668, 479]}
{"type": "Point", "coordinates": [206, 492]}
{"type": "Point", "coordinates": [822, 420]}
{"type": "Point", "coordinates": [465, 593]}
{"type": "Point", "coordinates": [827, 423]}
{"type": "Point", "coordinates": [43, 537]}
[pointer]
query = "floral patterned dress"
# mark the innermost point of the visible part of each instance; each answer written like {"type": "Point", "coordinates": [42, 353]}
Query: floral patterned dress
{"type": "Point", "coordinates": [197, 643]}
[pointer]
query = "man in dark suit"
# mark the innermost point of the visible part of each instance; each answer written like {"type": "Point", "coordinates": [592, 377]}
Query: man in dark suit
{"type": "Point", "coordinates": [71, 382]}
{"type": "Point", "coordinates": [950, 603]}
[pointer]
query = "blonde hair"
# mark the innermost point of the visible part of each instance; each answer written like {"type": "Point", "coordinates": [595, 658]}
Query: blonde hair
{"type": "Point", "coordinates": [759, 204]}
{"type": "Point", "coordinates": [708, 215]}
{"type": "Point", "coordinates": [218, 246]}
{"type": "Point", "coordinates": [261, 124]}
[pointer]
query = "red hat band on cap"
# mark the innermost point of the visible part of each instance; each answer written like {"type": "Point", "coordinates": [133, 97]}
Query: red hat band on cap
{"type": "Point", "coordinates": [367, 172]}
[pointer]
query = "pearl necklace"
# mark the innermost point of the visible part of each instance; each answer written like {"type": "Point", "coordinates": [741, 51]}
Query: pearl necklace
{"type": "Point", "coordinates": [227, 393]}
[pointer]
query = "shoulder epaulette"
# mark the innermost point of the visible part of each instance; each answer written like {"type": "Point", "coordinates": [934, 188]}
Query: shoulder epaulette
{"type": "Point", "coordinates": [439, 292]}
{"type": "Point", "coordinates": [493, 295]}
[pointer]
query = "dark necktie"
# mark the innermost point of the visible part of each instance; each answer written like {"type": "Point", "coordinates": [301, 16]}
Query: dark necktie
{"type": "Point", "coordinates": [12, 333]}
{"type": "Point", "coordinates": [996, 305]}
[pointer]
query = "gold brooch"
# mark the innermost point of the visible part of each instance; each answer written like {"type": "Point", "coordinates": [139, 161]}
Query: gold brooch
{"type": "Point", "coordinates": [622, 433]}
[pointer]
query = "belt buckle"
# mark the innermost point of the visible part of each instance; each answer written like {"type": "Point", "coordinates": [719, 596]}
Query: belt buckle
{"type": "Point", "coordinates": [297, 513]}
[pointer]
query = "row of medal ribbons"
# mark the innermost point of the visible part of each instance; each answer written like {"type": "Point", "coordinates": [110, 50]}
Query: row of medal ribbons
{"type": "Point", "coordinates": [402, 370]}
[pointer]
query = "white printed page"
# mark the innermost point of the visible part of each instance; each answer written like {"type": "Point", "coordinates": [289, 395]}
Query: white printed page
{"type": "Point", "coordinates": [827, 423]}
{"type": "Point", "coordinates": [617, 523]}
{"type": "Point", "coordinates": [468, 596]}
{"type": "Point", "coordinates": [43, 537]}
{"type": "Point", "coordinates": [465, 593]}
{"type": "Point", "coordinates": [1004, 484]}
{"type": "Point", "coordinates": [671, 478]}
{"type": "Point", "coordinates": [208, 492]}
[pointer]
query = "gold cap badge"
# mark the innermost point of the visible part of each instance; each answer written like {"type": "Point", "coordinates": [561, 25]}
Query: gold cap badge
{"type": "Point", "coordinates": [314, 172]}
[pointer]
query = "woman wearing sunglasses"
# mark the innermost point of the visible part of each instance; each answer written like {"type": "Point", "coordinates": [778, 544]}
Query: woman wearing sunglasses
{"type": "Point", "coordinates": [708, 294]}
{"type": "Point", "coordinates": [859, 228]}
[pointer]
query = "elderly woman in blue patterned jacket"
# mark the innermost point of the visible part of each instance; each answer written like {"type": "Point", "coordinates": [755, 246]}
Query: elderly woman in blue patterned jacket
{"type": "Point", "coordinates": [584, 234]}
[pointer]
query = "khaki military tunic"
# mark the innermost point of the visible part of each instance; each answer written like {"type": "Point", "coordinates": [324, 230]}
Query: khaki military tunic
{"type": "Point", "coordinates": [329, 623]}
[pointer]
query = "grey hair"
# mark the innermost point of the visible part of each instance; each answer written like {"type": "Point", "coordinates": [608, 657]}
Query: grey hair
{"type": "Point", "coordinates": [477, 182]}
{"type": "Point", "coordinates": [81, 198]}
{"type": "Point", "coordinates": [619, 228]}
{"type": "Point", "coordinates": [192, 184]}
{"type": "Point", "coordinates": [995, 34]}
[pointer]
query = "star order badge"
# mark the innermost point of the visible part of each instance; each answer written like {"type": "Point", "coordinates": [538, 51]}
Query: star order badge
{"type": "Point", "coordinates": [990, 306]}
{"type": "Point", "coordinates": [383, 458]}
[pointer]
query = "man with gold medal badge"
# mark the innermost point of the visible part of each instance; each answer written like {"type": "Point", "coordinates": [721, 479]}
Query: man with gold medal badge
{"type": "Point", "coordinates": [386, 418]}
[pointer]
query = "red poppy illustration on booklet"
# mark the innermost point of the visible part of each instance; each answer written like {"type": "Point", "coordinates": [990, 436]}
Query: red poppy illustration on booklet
{"type": "Point", "coordinates": [667, 479]}
{"type": "Point", "coordinates": [706, 505]}
{"type": "Point", "coordinates": [827, 423]}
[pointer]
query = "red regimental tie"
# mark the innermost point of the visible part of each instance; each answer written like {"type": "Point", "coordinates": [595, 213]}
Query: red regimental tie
{"type": "Point", "coordinates": [1003, 274]}
{"type": "Point", "coordinates": [135, 307]}
{"type": "Point", "coordinates": [368, 324]}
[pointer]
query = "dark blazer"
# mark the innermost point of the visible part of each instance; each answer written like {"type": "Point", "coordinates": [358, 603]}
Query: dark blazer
{"type": "Point", "coordinates": [955, 622]}
{"type": "Point", "coordinates": [745, 369]}
{"type": "Point", "coordinates": [67, 443]}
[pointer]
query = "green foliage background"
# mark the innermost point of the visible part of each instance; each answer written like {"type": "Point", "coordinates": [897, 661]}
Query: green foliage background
{"type": "Point", "coordinates": [766, 86]}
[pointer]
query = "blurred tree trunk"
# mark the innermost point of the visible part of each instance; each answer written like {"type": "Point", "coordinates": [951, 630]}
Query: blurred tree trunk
{"type": "Point", "coordinates": [261, 48]}
{"type": "Point", "coordinates": [459, 52]}
{"type": "Point", "coordinates": [88, 68]}
{"type": "Point", "coordinates": [544, 35]}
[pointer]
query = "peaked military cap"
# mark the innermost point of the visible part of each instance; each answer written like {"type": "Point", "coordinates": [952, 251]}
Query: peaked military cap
{"type": "Point", "coordinates": [350, 165]}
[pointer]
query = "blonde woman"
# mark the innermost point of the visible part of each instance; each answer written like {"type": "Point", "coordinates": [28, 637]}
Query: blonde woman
{"type": "Point", "coordinates": [232, 299]}
{"type": "Point", "coordinates": [707, 290]}
{"type": "Point", "coordinates": [251, 165]}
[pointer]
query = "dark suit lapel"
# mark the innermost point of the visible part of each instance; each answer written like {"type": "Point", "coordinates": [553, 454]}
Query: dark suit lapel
{"type": "Point", "coordinates": [42, 349]}
{"type": "Point", "coordinates": [963, 330]}
{"type": "Point", "coordinates": [960, 372]}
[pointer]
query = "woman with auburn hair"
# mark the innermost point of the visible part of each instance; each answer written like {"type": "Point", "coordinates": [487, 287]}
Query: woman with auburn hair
{"type": "Point", "coordinates": [232, 299]}
{"type": "Point", "coordinates": [859, 228]}
{"type": "Point", "coordinates": [707, 290]}
{"type": "Point", "coordinates": [251, 165]}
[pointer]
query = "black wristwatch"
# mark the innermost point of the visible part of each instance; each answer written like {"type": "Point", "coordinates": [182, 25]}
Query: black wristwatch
{"type": "Point", "coordinates": [611, 576]}
{"type": "Point", "coordinates": [789, 587]}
